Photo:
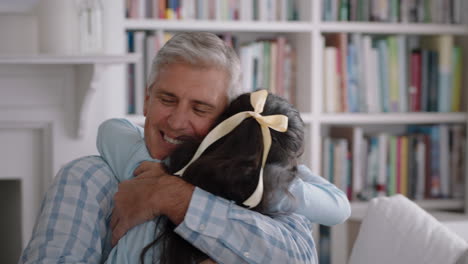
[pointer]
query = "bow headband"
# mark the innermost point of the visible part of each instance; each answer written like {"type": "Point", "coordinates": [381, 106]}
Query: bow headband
{"type": "Point", "coordinates": [276, 122]}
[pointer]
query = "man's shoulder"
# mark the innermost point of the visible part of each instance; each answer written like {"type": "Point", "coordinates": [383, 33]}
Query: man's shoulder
{"type": "Point", "coordinates": [86, 162]}
{"type": "Point", "coordinates": [89, 169]}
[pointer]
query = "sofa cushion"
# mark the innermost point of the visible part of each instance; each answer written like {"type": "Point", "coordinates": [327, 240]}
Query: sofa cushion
{"type": "Point", "coordinates": [396, 230]}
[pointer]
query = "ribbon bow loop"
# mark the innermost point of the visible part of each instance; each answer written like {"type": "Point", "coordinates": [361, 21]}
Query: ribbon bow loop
{"type": "Point", "coordinates": [257, 100]}
{"type": "Point", "coordinates": [276, 122]}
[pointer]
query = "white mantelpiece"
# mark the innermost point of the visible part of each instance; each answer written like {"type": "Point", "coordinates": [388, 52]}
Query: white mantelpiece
{"type": "Point", "coordinates": [88, 70]}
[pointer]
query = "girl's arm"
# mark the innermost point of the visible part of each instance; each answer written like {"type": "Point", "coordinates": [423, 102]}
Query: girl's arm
{"type": "Point", "coordinates": [121, 145]}
{"type": "Point", "coordinates": [316, 198]}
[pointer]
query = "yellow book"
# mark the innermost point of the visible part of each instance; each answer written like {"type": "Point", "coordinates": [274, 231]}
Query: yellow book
{"type": "Point", "coordinates": [394, 88]}
{"type": "Point", "coordinates": [170, 14]}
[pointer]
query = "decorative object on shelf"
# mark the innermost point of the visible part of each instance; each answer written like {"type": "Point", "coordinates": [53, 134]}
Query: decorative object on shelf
{"type": "Point", "coordinates": [57, 24]}
{"type": "Point", "coordinates": [90, 26]}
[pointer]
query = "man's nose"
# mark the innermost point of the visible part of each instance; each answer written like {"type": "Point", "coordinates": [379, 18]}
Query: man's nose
{"type": "Point", "coordinates": [178, 119]}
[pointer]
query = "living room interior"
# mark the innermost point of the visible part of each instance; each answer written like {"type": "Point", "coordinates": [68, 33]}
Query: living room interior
{"type": "Point", "coordinates": [381, 85]}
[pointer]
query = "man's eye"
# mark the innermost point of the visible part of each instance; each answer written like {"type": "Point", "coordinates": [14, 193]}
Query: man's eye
{"type": "Point", "coordinates": [200, 111]}
{"type": "Point", "coordinates": [167, 100]}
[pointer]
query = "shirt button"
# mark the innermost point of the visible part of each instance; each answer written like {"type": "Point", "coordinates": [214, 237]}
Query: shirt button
{"type": "Point", "coordinates": [246, 254]}
{"type": "Point", "coordinates": [202, 227]}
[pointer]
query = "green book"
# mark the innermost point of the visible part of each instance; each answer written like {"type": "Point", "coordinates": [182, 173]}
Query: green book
{"type": "Point", "coordinates": [344, 10]}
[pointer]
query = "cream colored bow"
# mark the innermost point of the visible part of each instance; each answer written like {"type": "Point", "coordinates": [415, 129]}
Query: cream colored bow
{"type": "Point", "coordinates": [276, 122]}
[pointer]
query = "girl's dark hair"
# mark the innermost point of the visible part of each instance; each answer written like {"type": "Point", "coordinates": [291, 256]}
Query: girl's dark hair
{"type": "Point", "coordinates": [230, 168]}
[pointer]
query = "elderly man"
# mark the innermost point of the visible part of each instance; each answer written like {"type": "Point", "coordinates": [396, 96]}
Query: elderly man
{"type": "Point", "coordinates": [194, 77]}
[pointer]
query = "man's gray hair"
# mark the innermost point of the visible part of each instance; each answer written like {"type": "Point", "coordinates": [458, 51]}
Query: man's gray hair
{"type": "Point", "coordinates": [200, 49]}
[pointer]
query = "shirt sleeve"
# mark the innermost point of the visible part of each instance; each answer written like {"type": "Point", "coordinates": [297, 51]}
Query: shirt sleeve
{"type": "Point", "coordinates": [317, 199]}
{"type": "Point", "coordinates": [231, 234]}
{"type": "Point", "coordinates": [72, 222]}
{"type": "Point", "coordinates": [122, 146]}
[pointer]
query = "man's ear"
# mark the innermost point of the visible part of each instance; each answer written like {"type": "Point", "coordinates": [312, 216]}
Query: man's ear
{"type": "Point", "coordinates": [146, 103]}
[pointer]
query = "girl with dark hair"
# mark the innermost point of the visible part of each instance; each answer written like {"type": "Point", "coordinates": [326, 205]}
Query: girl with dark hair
{"type": "Point", "coordinates": [231, 167]}
{"type": "Point", "coordinates": [250, 158]}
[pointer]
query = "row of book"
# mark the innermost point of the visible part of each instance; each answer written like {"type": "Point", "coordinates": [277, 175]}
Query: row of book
{"type": "Point", "coordinates": [246, 10]}
{"type": "Point", "coordinates": [399, 73]}
{"type": "Point", "coordinates": [269, 64]}
{"type": "Point", "coordinates": [393, 11]}
{"type": "Point", "coordinates": [266, 64]}
{"type": "Point", "coordinates": [424, 162]}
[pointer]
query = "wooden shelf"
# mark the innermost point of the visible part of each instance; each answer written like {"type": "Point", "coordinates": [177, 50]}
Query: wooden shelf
{"type": "Point", "coordinates": [218, 26]}
{"type": "Point", "coordinates": [67, 59]}
{"type": "Point", "coordinates": [295, 26]}
{"type": "Point", "coordinates": [88, 70]}
{"type": "Point", "coordinates": [392, 118]}
{"type": "Point", "coordinates": [393, 28]}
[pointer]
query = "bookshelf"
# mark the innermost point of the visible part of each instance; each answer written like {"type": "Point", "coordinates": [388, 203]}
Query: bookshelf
{"type": "Point", "coordinates": [219, 26]}
{"type": "Point", "coordinates": [391, 118]}
{"type": "Point", "coordinates": [305, 35]}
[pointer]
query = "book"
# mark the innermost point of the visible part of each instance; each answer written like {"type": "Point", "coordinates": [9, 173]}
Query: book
{"type": "Point", "coordinates": [402, 72]}
{"type": "Point", "coordinates": [340, 42]}
{"type": "Point", "coordinates": [394, 89]}
{"type": "Point", "coordinates": [457, 79]}
{"type": "Point", "coordinates": [381, 181]}
{"type": "Point", "coordinates": [354, 137]}
{"type": "Point", "coordinates": [353, 79]}
{"type": "Point", "coordinates": [404, 155]}
{"type": "Point", "coordinates": [331, 79]}
{"type": "Point", "coordinates": [421, 160]}
{"type": "Point", "coordinates": [415, 86]}
{"type": "Point", "coordinates": [382, 49]}
{"type": "Point", "coordinates": [444, 150]}
{"type": "Point", "coordinates": [445, 48]}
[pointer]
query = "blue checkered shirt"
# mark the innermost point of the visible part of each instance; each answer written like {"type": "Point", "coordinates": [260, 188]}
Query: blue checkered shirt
{"type": "Point", "coordinates": [73, 225]}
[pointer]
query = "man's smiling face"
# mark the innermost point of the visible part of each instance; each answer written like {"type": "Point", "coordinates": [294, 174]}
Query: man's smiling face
{"type": "Point", "coordinates": [184, 102]}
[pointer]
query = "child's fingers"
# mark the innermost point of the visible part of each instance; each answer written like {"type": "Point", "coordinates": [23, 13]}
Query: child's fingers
{"type": "Point", "coordinates": [148, 166]}
{"type": "Point", "coordinates": [144, 166]}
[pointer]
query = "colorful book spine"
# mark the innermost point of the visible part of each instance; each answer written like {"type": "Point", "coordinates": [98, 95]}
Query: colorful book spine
{"type": "Point", "coordinates": [415, 88]}
{"type": "Point", "coordinates": [394, 89]}
{"type": "Point", "coordinates": [457, 79]}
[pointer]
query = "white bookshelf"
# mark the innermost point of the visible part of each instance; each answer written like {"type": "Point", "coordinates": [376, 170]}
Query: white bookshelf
{"type": "Point", "coordinates": [392, 118]}
{"type": "Point", "coordinates": [38, 59]}
{"type": "Point", "coordinates": [218, 26]}
{"type": "Point", "coordinates": [305, 36]}
{"type": "Point", "coordinates": [392, 28]}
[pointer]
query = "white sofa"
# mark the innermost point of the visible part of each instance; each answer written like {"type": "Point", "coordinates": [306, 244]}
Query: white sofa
{"type": "Point", "coordinates": [396, 230]}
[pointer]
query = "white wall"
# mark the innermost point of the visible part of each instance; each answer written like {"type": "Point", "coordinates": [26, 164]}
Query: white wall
{"type": "Point", "coordinates": [38, 106]}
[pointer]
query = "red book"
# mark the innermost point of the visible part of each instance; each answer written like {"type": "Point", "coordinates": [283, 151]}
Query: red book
{"type": "Point", "coordinates": [162, 9]}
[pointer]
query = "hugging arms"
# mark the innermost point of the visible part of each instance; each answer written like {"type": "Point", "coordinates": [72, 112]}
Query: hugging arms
{"type": "Point", "coordinates": [229, 157]}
